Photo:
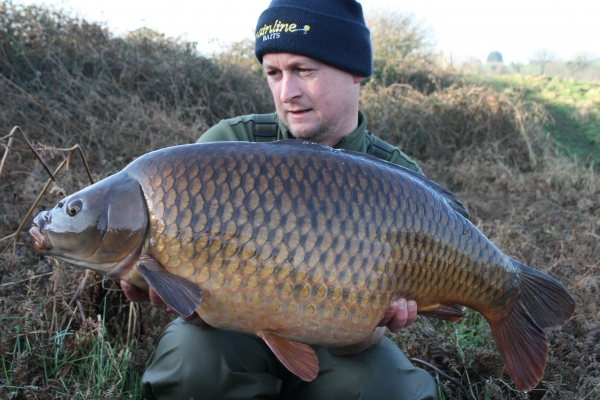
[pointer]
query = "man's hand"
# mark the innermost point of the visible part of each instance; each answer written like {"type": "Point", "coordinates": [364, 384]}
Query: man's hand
{"type": "Point", "coordinates": [399, 315]}
{"type": "Point", "coordinates": [135, 294]}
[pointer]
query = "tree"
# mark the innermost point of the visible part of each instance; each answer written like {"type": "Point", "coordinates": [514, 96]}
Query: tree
{"type": "Point", "coordinates": [516, 66]}
{"type": "Point", "coordinates": [401, 48]}
{"type": "Point", "coordinates": [543, 57]}
{"type": "Point", "coordinates": [494, 57]}
{"type": "Point", "coordinates": [472, 65]}
{"type": "Point", "coordinates": [580, 61]}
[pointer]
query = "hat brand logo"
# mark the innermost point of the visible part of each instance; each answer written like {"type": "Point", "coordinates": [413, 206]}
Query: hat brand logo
{"type": "Point", "coordinates": [275, 30]}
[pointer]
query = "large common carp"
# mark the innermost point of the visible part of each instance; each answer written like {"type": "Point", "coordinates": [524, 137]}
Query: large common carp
{"type": "Point", "coordinates": [299, 243]}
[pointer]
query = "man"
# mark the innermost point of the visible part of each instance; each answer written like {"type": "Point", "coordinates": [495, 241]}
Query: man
{"type": "Point", "coordinates": [315, 54]}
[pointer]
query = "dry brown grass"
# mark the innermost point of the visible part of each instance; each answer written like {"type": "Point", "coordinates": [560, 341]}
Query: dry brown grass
{"type": "Point", "coordinates": [457, 119]}
{"type": "Point", "coordinates": [548, 219]}
{"type": "Point", "coordinates": [65, 82]}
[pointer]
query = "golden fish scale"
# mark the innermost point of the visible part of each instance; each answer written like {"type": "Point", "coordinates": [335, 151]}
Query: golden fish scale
{"type": "Point", "coordinates": [310, 246]}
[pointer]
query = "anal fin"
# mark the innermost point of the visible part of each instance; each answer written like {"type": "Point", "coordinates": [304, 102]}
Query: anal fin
{"type": "Point", "coordinates": [448, 312]}
{"type": "Point", "coordinates": [177, 292]}
{"type": "Point", "coordinates": [299, 358]}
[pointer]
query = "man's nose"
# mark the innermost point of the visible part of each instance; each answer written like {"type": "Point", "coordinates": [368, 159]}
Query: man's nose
{"type": "Point", "coordinates": [290, 90]}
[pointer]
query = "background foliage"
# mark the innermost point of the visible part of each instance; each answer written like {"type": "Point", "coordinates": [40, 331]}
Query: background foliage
{"type": "Point", "coordinates": [503, 143]}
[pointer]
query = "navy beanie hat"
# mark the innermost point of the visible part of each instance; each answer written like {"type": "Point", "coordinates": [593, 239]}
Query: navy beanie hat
{"type": "Point", "coordinates": [331, 31]}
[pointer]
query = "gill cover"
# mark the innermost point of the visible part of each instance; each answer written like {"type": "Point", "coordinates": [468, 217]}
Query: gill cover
{"type": "Point", "coordinates": [99, 227]}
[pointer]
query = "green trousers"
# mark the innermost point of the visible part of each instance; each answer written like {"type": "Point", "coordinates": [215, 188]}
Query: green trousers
{"type": "Point", "coordinates": [199, 362]}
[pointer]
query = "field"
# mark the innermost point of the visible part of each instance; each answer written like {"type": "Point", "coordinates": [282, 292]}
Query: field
{"type": "Point", "coordinates": [574, 106]}
{"type": "Point", "coordinates": [582, 68]}
{"type": "Point", "coordinates": [521, 152]}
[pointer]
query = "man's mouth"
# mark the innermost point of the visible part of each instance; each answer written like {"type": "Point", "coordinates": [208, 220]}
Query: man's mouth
{"type": "Point", "coordinates": [298, 113]}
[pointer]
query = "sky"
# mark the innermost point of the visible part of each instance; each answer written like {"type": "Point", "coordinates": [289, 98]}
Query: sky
{"type": "Point", "coordinates": [460, 29]}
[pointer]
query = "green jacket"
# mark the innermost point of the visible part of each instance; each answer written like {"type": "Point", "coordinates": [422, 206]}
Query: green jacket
{"type": "Point", "coordinates": [268, 128]}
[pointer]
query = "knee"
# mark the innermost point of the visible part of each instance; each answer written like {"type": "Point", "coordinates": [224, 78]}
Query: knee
{"type": "Point", "coordinates": [184, 345]}
{"type": "Point", "coordinates": [200, 362]}
{"type": "Point", "coordinates": [396, 377]}
{"type": "Point", "coordinates": [384, 371]}
{"type": "Point", "coordinates": [181, 356]}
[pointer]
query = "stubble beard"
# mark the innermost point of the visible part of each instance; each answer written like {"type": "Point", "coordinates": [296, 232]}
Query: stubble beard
{"type": "Point", "coordinates": [317, 133]}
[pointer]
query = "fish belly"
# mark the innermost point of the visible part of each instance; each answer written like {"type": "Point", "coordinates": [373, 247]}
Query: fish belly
{"type": "Point", "coordinates": [308, 320]}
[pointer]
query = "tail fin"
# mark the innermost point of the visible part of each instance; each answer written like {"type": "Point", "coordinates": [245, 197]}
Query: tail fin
{"type": "Point", "coordinates": [548, 302]}
{"type": "Point", "coordinates": [543, 303]}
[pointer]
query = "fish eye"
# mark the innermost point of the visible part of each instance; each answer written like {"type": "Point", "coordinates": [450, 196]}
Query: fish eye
{"type": "Point", "coordinates": [74, 207]}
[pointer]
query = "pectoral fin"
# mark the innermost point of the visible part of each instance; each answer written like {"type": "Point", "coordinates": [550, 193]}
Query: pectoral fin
{"type": "Point", "coordinates": [299, 358]}
{"type": "Point", "coordinates": [178, 293]}
{"type": "Point", "coordinates": [449, 312]}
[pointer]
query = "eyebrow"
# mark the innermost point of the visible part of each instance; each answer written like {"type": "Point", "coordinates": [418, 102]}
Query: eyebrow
{"type": "Point", "coordinates": [294, 64]}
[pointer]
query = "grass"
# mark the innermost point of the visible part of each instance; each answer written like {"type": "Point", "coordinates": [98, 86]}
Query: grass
{"type": "Point", "coordinates": [590, 71]}
{"type": "Point", "coordinates": [468, 339]}
{"type": "Point", "coordinates": [574, 106]}
{"type": "Point", "coordinates": [66, 81]}
{"type": "Point", "coordinates": [77, 364]}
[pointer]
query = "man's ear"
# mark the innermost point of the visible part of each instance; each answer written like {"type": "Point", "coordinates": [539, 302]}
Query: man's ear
{"type": "Point", "coordinates": [357, 79]}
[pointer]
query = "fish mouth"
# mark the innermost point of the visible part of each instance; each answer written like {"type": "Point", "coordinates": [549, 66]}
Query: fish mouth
{"type": "Point", "coordinates": [40, 241]}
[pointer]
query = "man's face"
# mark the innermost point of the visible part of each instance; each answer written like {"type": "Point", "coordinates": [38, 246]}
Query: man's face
{"type": "Point", "coordinates": [315, 101]}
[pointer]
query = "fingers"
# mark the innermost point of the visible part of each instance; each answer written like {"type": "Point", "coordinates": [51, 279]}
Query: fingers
{"type": "Point", "coordinates": [133, 293]}
{"type": "Point", "coordinates": [404, 315]}
{"type": "Point", "coordinates": [400, 317]}
{"type": "Point", "coordinates": [412, 312]}
{"type": "Point", "coordinates": [389, 314]}
{"type": "Point", "coordinates": [156, 301]}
